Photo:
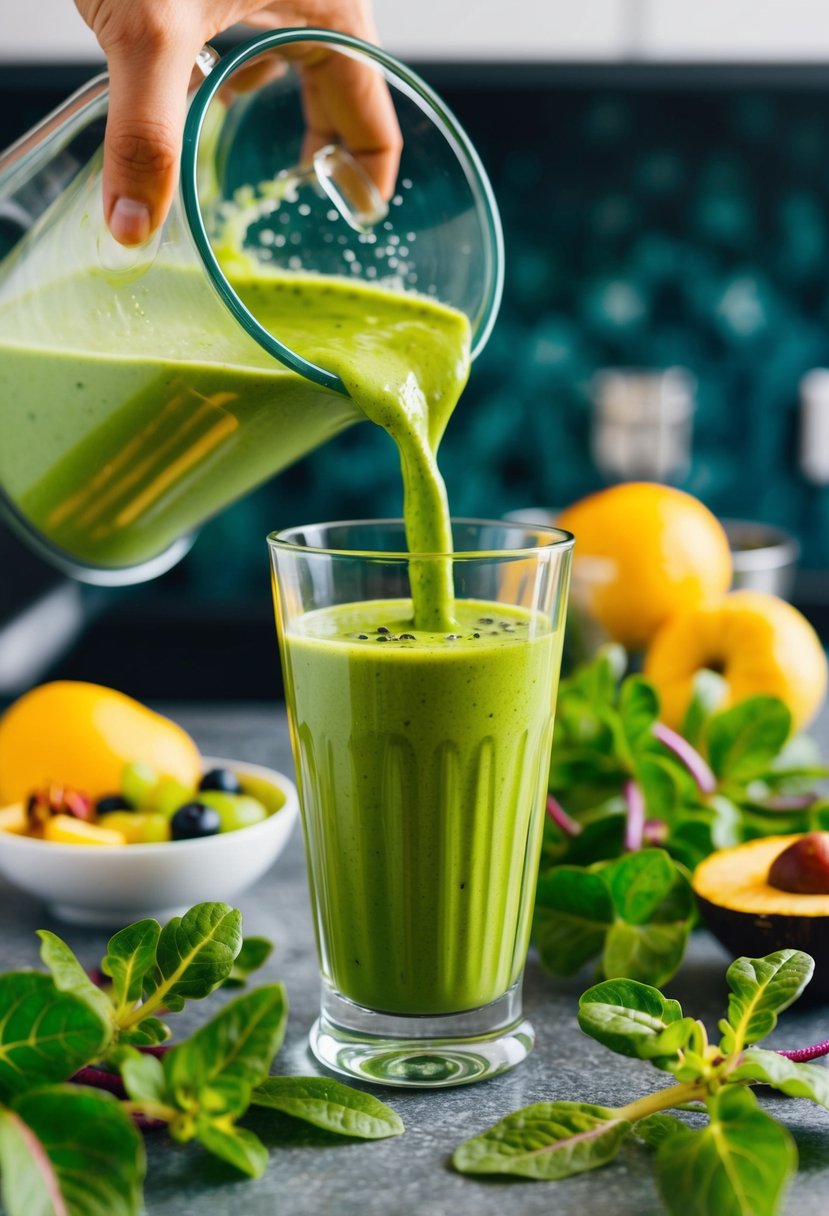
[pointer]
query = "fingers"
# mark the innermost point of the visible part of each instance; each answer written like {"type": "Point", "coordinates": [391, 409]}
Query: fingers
{"type": "Point", "coordinates": [149, 78]}
{"type": "Point", "coordinates": [344, 99]}
{"type": "Point", "coordinates": [151, 45]}
{"type": "Point", "coordinates": [347, 100]}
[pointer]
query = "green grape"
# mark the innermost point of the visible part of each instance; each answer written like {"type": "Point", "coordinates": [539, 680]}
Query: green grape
{"type": "Point", "coordinates": [138, 784]}
{"type": "Point", "coordinates": [235, 810]}
{"type": "Point", "coordinates": [169, 795]}
{"type": "Point", "coordinates": [154, 828]}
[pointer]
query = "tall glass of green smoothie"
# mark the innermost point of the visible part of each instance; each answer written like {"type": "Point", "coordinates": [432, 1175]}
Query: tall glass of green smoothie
{"type": "Point", "coordinates": [422, 753]}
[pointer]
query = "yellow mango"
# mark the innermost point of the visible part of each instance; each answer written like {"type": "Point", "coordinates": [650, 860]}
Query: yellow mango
{"type": "Point", "coordinates": [13, 819]}
{"type": "Point", "coordinates": [82, 736]}
{"type": "Point", "coordinates": [66, 829]}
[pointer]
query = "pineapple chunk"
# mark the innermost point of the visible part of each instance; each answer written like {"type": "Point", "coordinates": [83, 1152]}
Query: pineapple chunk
{"type": "Point", "coordinates": [13, 819]}
{"type": "Point", "coordinates": [66, 829]}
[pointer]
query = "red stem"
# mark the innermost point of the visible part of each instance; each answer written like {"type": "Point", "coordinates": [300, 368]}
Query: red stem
{"type": "Point", "coordinates": [635, 826]}
{"type": "Point", "coordinates": [100, 1078]}
{"type": "Point", "coordinates": [802, 1055]}
{"type": "Point", "coordinates": [690, 757]}
{"type": "Point", "coordinates": [560, 817]}
{"type": "Point", "coordinates": [790, 802]}
{"type": "Point", "coordinates": [655, 832]}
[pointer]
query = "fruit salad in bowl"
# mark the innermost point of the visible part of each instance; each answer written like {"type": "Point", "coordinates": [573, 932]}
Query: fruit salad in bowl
{"type": "Point", "coordinates": [105, 833]}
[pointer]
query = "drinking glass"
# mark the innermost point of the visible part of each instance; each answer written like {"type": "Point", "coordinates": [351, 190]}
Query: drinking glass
{"type": "Point", "coordinates": [422, 762]}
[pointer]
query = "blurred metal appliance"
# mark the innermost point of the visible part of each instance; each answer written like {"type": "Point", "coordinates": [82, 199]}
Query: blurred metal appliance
{"type": "Point", "coordinates": [765, 557]}
{"type": "Point", "coordinates": [642, 423]}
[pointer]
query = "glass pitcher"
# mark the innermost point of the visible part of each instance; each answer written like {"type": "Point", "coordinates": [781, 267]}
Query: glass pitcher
{"type": "Point", "coordinates": [143, 390]}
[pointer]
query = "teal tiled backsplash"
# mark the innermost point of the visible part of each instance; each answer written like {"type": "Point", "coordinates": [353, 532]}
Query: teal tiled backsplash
{"type": "Point", "coordinates": [644, 227]}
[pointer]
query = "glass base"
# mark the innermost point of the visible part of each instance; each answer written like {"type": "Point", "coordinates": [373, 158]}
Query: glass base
{"type": "Point", "coordinates": [422, 1051]}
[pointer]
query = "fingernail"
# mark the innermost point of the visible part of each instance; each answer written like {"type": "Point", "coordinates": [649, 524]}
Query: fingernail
{"type": "Point", "coordinates": [130, 221]}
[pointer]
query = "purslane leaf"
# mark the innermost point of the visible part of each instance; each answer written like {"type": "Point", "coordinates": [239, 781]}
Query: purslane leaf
{"type": "Point", "coordinates": [549, 1140]}
{"type": "Point", "coordinates": [573, 913]}
{"type": "Point", "coordinates": [639, 882]}
{"type": "Point", "coordinates": [796, 1080]}
{"type": "Point", "coordinates": [236, 1046]}
{"type": "Point", "coordinates": [329, 1104]}
{"type": "Point", "coordinates": [195, 953]}
{"type": "Point", "coordinates": [651, 952]}
{"type": "Point", "coordinates": [69, 975]}
{"type": "Point", "coordinates": [638, 709]}
{"type": "Point", "coordinates": [45, 1034]}
{"type": "Point", "coordinates": [657, 1128]}
{"type": "Point", "coordinates": [70, 1151]}
{"type": "Point", "coordinates": [148, 1032]}
{"type": "Point", "coordinates": [708, 691]}
{"type": "Point", "coordinates": [130, 956]}
{"type": "Point", "coordinates": [254, 953]}
{"type": "Point", "coordinates": [633, 1019]}
{"type": "Point", "coordinates": [744, 740]}
{"type": "Point", "coordinates": [738, 1165]}
{"type": "Point", "coordinates": [142, 1074]}
{"type": "Point", "coordinates": [760, 989]}
{"type": "Point", "coordinates": [236, 1145]}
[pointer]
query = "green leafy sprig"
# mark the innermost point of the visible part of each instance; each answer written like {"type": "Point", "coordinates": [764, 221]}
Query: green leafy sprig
{"type": "Point", "coordinates": [739, 1162]}
{"type": "Point", "coordinates": [727, 776]}
{"type": "Point", "coordinates": [622, 782]}
{"type": "Point", "coordinates": [72, 1150]}
{"type": "Point", "coordinates": [634, 913]}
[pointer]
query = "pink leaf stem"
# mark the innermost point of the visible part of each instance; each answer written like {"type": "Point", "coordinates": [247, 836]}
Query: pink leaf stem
{"type": "Point", "coordinates": [803, 1054]}
{"type": "Point", "coordinates": [560, 817]}
{"type": "Point", "coordinates": [100, 1078]}
{"type": "Point", "coordinates": [655, 832]}
{"type": "Point", "coordinates": [635, 825]}
{"type": "Point", "coordinates": [690, 757]}
{"type": "Point", "coordinates": [790, 802]}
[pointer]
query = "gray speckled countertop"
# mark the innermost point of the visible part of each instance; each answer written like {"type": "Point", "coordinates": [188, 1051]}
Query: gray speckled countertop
{"type": "Point", "coordinates": [313, 1173]}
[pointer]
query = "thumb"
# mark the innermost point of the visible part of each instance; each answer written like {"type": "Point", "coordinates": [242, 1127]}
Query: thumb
{"type": "Point", "coordinates": [142, 146]}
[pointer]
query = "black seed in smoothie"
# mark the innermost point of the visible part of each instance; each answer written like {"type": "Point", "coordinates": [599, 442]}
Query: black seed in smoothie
{"type": "Point", "coordinates": [362, 637]}
{"type": "Point", "coordinates": [382, 629]}
{"type": "Point", "coordinates": [407, 637]}
{"type": "Point", "coordinates": [463, 884]}
{"type": "Point", "coordinates": [485, 620]}
{"type": "Point", "coordinates": [381, 639]}
{"type": "Point", "coordinates": [452, 637]}
{"type": "Point", "coordinates": [476, 635]}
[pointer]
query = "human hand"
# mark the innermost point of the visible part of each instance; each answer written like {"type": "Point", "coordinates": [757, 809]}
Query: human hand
{"type": "Point", "coordinates": [151, 47]}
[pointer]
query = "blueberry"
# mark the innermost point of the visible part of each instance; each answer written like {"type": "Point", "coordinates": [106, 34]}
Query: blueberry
{"type": "Point", "coordinates": [113, 802]}
{"type": "Point", "coordinates": [194, 820]}
{"type": "Point", "coordinates": [221, 779]}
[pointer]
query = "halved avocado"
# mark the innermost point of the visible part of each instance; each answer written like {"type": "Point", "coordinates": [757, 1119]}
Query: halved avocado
{"type": "Point", "coordinates": [750, 916]}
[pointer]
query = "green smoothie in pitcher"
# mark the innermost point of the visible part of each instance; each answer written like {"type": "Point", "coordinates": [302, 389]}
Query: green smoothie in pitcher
{"type": "Point", "coordinates": [123, 426]}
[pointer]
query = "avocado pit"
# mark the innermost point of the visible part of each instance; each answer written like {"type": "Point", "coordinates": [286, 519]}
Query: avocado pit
{"type": "Point", "coordinates": [753, 915]}
{"type": "Point", "coordinates": [803, 868]}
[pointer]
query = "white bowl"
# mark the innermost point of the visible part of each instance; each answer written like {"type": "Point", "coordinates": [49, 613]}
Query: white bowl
{"type": "Point", "coordinates": [115, 884]}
